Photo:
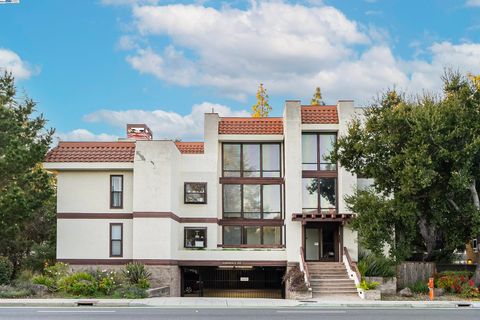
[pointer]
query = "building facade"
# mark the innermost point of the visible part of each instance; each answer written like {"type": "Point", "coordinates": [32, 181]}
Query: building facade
{"type": "Point", "coordinates": [231, 213]}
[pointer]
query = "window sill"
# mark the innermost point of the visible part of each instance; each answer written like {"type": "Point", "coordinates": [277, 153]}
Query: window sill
{"type": "Point", "coordinates": [251, 246]}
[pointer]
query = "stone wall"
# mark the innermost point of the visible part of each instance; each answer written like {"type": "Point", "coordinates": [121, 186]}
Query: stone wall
{"type": "Point", "coordinates": [161, 275]}
{"type": "Point", "coordinates": [295, 295]}
{"type": "Point", "coordinates": [387, 285]}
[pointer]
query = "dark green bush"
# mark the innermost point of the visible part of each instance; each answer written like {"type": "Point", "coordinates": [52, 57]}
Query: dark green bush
{"type": "Point", "coordinates": [370, 265]}
{"type": "Point", "coordinates": [14, 293]}
{"type": "Point", "coordinates": [130, 292]}
{"type": "Point", "coordinates": [419, 287]}
{"type": "Point", "coordinates": [108, 280]}
{"type": "Point", "coordinates": [79, 284]}
{"type": "Point", "coordinates": [136, 274]}
{"type": "Point", "coordinates": [6, 270]}
{"type": "Point", "coordinates": [50, 283]}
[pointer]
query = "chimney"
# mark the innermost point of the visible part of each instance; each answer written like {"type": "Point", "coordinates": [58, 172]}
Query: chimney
{"type": "Point", "coordinates": [139, 132]}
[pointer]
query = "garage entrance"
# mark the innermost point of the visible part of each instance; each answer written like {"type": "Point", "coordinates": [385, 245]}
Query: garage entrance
{"type": "Point", "coordinates": [233, 282]}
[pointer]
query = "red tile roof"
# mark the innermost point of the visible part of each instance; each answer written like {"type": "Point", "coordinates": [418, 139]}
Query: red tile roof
{"type": "Point", "coordinates": [190, 147]}
{"type": "Point", "coordinates": [319, 114]}
{"type": "Point", "coordinates": [250, 126]}
{"type": "Point", "coordinates": [121, 151]}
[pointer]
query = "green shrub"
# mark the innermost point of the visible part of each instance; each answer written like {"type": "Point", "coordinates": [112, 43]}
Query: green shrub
{"type": "Point", "coordinates": [79, 284]}
{"type": "Point", "coordinates": [136, 274]}
{"type": "Point", "coordinates": [130, 292]}
{"type": "Point", "coordinates": [14, 293]}
{"type": "Point", "coordinates": [469, 290]}
{"type": "Point", "coordinates": [452, 281]}
{"type": "Point", "coordinates": [46, 281]}
{"type": "Point", "coordinates": [25, 275]}
{"type": "Point", "coordinates": [368, 285]}
{"type": "Point", "coordinates": [6, 270]}
{"type": "Point", "coordinates": [419, 287]}
{"type": "Point", "coordinates": [107, 280]}
{"type": "Point", "coordinates": [56, 271]}
{"type": "Point", "coordinates": [370, 265]}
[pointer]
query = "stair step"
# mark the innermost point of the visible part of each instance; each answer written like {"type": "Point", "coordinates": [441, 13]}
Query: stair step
{"type": "Point", "coordinates": [333, 280]}
{"type": "Point", "coordinates": [328, 292]}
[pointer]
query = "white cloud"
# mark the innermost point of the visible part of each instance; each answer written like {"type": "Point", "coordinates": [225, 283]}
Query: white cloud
{"type": "Point", "coordinates": [165, 124]}
{"type": "Point", "coordinates": [291, 48]}
{"type": "Point", "coordinates": [84, 135]}
{"type": "Point", "coordinates": [472, 3]}
{"type": "Point", "coordinates": [12, 62]}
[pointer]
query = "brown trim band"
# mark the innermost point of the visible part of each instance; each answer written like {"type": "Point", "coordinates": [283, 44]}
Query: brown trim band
{"type": "Point", "coordinates": [239, 180]}
{"type": "Point", "coordinates": [169, 262]}
{"type": "Point", "coordinates": [320, 174]}
{"type": "Point", "coordinates": [156, 214]}
{"type": "Point", "coordinates": [254, 246]}
{"type": "Point", "coordinates": [81, 215]}
{"type": "Point", "coordinates": [173, 216]}
{"type": "Point", "coordinates": [169, 215]}
{"type": "Point", "coordinates": [251, 222]}
{"type": "Point", "coordinates": [217, 263]}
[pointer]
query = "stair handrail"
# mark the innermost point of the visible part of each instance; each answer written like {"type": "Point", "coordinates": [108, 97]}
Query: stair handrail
{"type": "Point", "coordinates": [352, 264]}
{"type": "Point", "coordinates": [304, 268]}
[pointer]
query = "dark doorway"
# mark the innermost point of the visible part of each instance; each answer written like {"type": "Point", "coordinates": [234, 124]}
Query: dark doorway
{"type": "Point", "coordinates": [322, 241]}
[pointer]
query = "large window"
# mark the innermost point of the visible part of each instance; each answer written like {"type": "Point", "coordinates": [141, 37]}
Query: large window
{"type": "Point", "coordinates": [252, 201]}
{"type": "Point", "coordinates": [195, 192]}
{"type": "Point", "coordinates": [195, 237]}
{"type": "Point", "coordinates": [116, 192]}
{"type": "Point", "coordinates": [252, 235]}
{"type": "Point", "coordinates": [319, 194]}
{"type": "Point", "coordinates": [315, 149]}
{"type": "Point", "coordinates": [251, 160]}
{"type": "Point", "coordinates": [116, 239]}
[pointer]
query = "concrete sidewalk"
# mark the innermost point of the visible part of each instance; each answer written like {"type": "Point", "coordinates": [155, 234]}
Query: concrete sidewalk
{"type": "Point", "coordinates": [232, 303]}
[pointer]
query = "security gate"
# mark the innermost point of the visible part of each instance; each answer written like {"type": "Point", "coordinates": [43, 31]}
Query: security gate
{"type": "Point", "coordinates": [233, 282]}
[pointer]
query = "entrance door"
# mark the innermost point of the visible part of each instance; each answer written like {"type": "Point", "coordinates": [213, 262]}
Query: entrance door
{"type": "Point", "coordinates": [321, 242]}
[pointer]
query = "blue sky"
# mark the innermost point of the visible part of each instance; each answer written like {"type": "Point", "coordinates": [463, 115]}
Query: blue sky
{"type": "Point", "coordinates": [93, 66]}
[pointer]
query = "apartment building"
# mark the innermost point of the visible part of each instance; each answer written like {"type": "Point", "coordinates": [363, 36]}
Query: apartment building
{"type": "Point", "coordinates": [222, 217]}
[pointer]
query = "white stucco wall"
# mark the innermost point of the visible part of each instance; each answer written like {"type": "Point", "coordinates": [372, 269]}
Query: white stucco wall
{"type": "Point", "coordinates": [90, 238]}
{"type": "Point", "coordinates": [293, 178]}
{"type": "Point", "coordinates": [89, 191]}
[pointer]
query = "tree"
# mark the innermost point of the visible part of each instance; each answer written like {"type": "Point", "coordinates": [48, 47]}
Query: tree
{"type": "Point", "coordinates": [261, 108]}
{"type": "Point", "coordinates": [27, 191]}
{"type": "Point", "coordinates": [317, 98]}
{"type": "Point", "coordinates": [424, 156]}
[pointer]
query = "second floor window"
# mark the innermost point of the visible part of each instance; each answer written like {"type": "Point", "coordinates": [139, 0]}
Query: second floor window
{"type": "Point", "coordinates": [195, 192]}
{"type": "Point", "coordinates": [319, 194]}
{"type": "Point", "coordinates": [252, 201]}
{"type": "Point", "coordinates": [251, 160]}
{"type": "Point", "coordinates": [315, 149]}
{"type": "Point", "coordinates": [116, 191]}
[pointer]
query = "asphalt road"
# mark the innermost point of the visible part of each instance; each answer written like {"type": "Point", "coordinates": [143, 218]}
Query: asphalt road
{"type": "Point", "coordinates": [92, 313]}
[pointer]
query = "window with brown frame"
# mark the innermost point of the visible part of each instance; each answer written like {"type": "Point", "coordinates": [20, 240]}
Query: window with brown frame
{"type": "Point", "coordinates": [116, 191]}
{"type": "Point", "coordinates": [195, 192]}
{"type": "Point", "coordinates": [319, 194]}
{"type": "Point", "coordinates": [195, 237]}
{"type": "Point", "coordinates": [315, 149]}
{"type": "Point", "coordinates": [252, 235]}
{"type": "Point", "coordinates": [116, 239]}
{"type": "Point", "coordinates": [253, 160]}
{"type": "Point", "coordinates": [252, 201]}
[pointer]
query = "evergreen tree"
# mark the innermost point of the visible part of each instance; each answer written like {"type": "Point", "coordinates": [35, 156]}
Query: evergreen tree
{"type": "Point", "coordinates": [27, 191]}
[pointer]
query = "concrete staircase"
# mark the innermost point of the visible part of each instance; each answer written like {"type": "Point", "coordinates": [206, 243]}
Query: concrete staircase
{"type": "Point", "coordinates": [330, 279]}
